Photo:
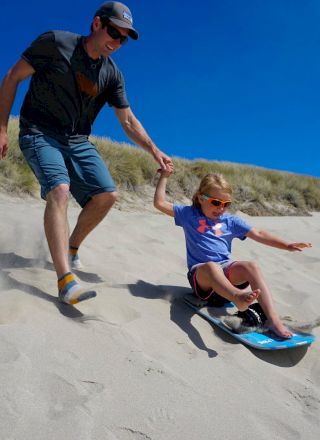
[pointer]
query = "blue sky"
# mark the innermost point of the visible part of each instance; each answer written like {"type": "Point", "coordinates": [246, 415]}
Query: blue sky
{"type": "Point", "coordinates": [227, 80]}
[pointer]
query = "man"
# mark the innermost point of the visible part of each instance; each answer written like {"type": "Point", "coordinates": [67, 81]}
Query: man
{"type": "Point", "coordinates": [72, 77]}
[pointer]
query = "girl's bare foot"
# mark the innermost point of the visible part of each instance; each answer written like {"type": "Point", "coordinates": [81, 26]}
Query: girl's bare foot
{"type": "Point", "coordinates": [280, 330]}
{"type": "Point", "coordinates": [243, 299]}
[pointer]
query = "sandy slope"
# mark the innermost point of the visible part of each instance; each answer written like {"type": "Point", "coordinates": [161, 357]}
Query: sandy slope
{"type": "Point", "coordinates": [134, 363]}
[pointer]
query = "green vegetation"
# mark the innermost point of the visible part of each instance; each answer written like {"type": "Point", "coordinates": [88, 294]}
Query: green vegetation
{"type": "Point", "coordinates": [257, 191]}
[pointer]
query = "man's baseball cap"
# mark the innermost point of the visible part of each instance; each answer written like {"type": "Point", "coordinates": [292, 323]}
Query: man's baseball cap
{"type": "Point", "coordinates": [119, 14]}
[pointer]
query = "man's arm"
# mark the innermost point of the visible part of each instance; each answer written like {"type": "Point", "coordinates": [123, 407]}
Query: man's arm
{"type": "Point", "coordinates": [135, 131]}
{"type": "Point", "coordinates": [20, 71]}
{"type": "Point", "coordinates": [269, 239]}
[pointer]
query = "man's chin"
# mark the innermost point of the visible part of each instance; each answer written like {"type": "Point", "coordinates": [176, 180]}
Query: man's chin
{"type": "Point", "coordinates": [107, 52]}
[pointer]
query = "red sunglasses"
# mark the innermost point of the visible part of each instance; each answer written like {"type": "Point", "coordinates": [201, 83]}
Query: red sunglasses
{"type": "Point", "coordinates": [217, 202]}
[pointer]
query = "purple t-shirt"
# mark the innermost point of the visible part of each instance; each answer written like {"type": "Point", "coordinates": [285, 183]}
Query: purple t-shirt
{"type": "Point", "coordinates": [206, 239]}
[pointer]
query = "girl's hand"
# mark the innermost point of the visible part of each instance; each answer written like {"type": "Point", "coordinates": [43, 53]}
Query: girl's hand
{"type": "Point", "coordinates": [166, 173]}
{"type": "Point", "coordinates": [292, 247]}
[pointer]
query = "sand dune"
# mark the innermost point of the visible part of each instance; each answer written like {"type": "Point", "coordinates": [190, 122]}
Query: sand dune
{"type": "Point", "coordinates": [134, 363]}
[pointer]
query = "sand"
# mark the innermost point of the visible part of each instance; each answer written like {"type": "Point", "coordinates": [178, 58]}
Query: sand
{"type": "Point", "coordinates": [135, 363]}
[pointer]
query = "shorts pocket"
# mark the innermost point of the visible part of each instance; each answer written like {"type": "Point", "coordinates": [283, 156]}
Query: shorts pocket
{"type": "Point", "coordinates": [28, 141]}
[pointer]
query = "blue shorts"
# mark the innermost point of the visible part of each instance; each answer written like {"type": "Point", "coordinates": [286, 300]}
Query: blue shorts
{"type": "Point", "coordinates": [80, 166]}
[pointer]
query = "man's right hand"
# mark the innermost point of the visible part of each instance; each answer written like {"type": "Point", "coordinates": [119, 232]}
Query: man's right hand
{"type": "Point", "coordinates": [4, 145]}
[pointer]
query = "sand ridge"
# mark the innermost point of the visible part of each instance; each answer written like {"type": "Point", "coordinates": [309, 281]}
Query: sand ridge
{"type": "Point", "coordinates": [135, 362]}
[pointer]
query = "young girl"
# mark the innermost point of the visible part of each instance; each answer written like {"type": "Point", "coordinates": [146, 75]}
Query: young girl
{"type": "Point", "coordinates": [209, 232]}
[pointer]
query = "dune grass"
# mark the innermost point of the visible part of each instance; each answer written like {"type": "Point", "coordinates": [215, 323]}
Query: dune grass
{"type": "Point", "coordinates": [257, 191]}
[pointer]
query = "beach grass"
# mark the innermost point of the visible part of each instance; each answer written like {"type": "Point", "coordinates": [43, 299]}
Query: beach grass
{"type": "Point", "coordinates": [257, 191]}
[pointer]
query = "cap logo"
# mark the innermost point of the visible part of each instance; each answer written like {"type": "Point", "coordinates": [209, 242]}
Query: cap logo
{"type": "Point", "coordinates": [127, 16]}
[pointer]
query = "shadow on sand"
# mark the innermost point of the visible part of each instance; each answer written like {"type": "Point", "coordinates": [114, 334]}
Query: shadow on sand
{"type": "Point", "coordinates": [181, 315]}
{"type": "Point", "coordinates": [13, 261]}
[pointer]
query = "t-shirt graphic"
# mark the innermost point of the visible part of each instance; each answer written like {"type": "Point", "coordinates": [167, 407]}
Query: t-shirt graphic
{"type": "Point", "coordinates": [203, 227]}
{"type": "Point", "coordinates": [86, 86]}
{"type": "Point", "coordinates": [207, 239]}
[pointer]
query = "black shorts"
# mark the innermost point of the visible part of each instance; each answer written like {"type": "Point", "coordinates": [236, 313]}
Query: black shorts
{"type": "Point", "coordinates": [203, 294]}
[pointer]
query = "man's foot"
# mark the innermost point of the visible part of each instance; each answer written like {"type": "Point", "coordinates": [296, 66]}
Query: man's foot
{"type": "Point", "coordinates": [243, 299]}
{"type": "Point", "coordinates": [75, 262]}
{"type": "Point", "coordinates": [70, 291]}
{"type": "Point", "coordinates": [74, 258]}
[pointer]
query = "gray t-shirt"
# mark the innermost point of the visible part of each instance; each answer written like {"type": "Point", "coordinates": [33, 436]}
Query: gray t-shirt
{"type": "Point", "coordinates": [68, 88]}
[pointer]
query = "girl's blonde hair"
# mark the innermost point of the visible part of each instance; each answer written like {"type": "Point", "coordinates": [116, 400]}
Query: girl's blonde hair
{"type": "Point", "coordinates": [210, 182]}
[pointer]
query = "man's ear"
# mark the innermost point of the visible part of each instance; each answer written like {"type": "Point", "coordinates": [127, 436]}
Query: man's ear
{"type": "Point", "coordinates": [96, 23]}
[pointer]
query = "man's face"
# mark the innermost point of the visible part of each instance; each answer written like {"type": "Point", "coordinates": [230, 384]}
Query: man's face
{"type": "Point", "coordinates": [103, 43]}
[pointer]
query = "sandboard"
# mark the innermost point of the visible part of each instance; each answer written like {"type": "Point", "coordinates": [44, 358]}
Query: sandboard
{"type": "Point", "coordinates": [259, 340]}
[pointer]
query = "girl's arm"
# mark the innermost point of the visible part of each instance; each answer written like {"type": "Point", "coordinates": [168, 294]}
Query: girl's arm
{"type": "Point", "coordinates": [159, 200]}
{"type": "Point", "coordinates": [269, 239]}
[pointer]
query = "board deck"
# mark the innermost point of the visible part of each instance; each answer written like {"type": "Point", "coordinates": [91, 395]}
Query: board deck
{"type": "Point", "coordinates": [259, 340]}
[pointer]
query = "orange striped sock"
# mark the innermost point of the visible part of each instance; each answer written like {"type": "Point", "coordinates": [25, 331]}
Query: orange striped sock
{"type": "Point", "coordinates": [71, 292]}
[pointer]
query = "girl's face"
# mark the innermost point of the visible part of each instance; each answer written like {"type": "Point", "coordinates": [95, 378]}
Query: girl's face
{"type": "Point", "coordinates": [214, 203]}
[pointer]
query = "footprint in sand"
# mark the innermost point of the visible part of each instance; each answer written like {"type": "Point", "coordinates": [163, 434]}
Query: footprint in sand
{"type": "Point", "coordinates": [279, 430]}
{"type": "Point", "coordinates": [305, 395]}
{"type": "Point", "coordinates": [118, 314]}
{"type": "Point", "coordinates": [8, 352]}
{"type": "Point", "coordinates": [92, 387]}
{"type": "Point", "coordinates": [159, 416]}
{"type": "Point", "coordinates": [191, 352]}
{"type": "Point", "coordinates": [126, 433]}
{"type": "Point", "coordinates": [63, 397]}
{"type": "Point", "coordinates": [306, 326]}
